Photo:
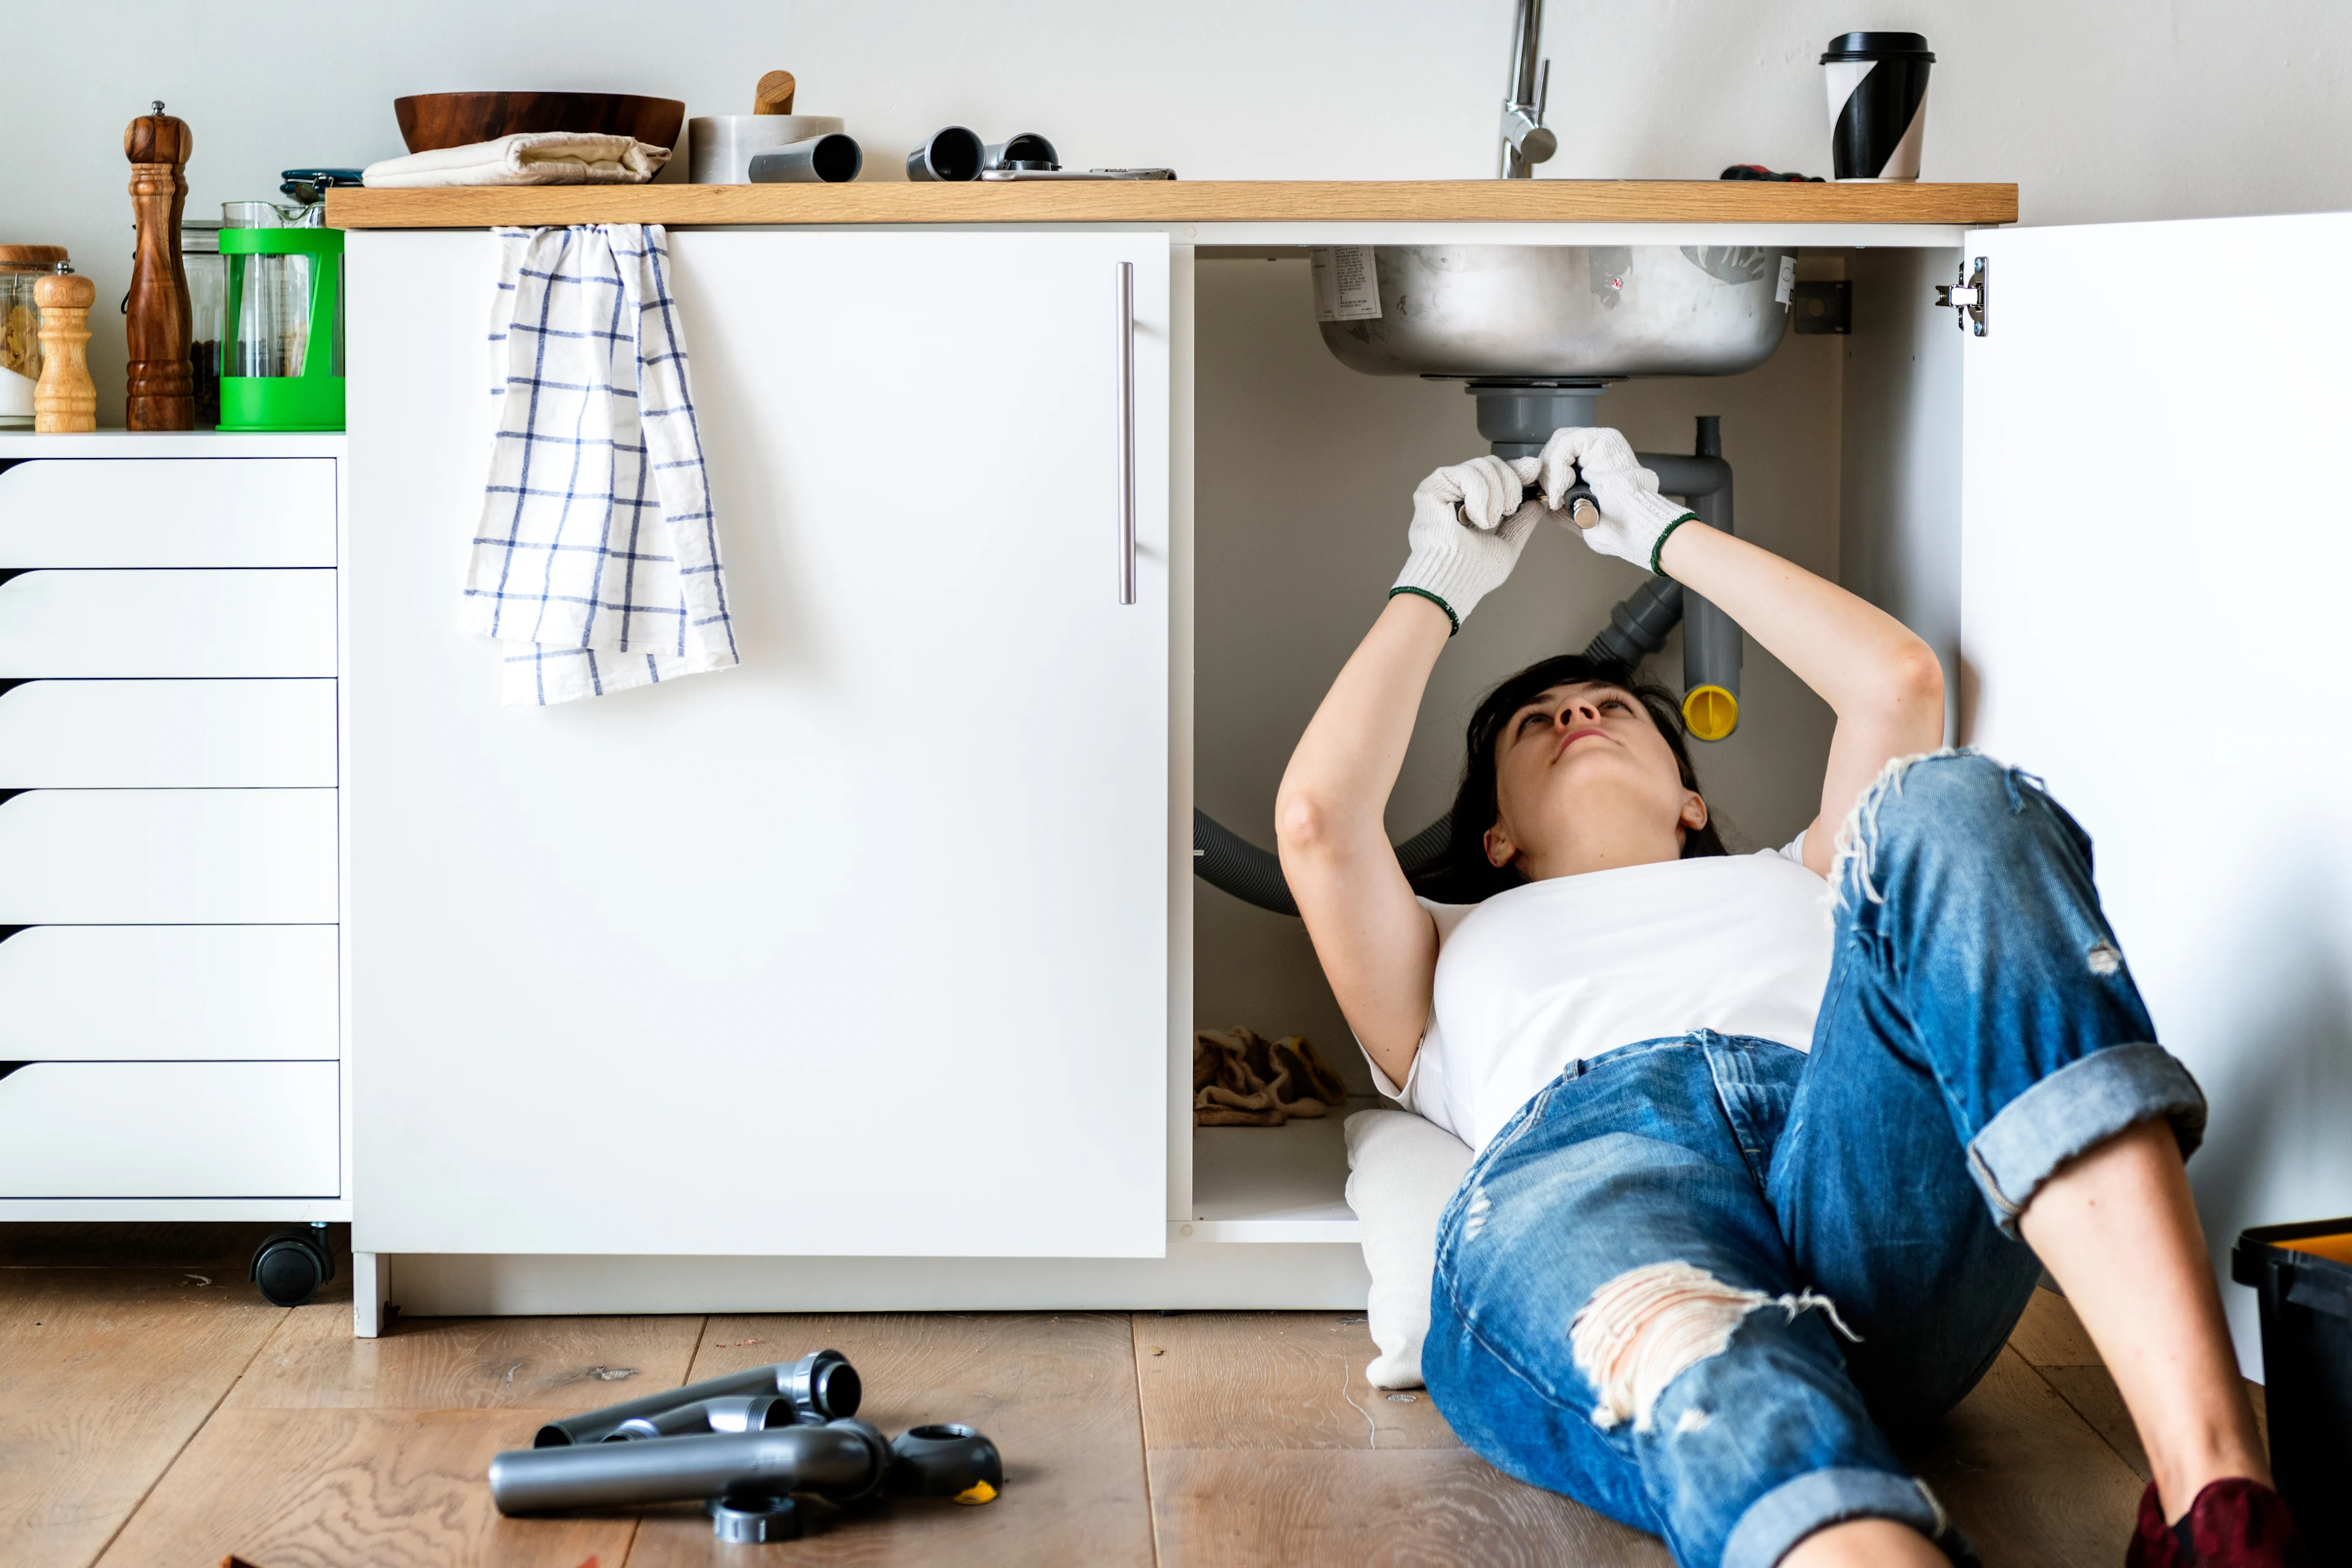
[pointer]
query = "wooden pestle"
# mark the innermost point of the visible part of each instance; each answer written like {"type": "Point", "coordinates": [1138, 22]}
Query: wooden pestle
{"type": "Point", "coordinates": [162, 377]}
{"type": "Point", "coordinates": [65, 401]}
{"type": "Point", "coordinates": [775, 94]}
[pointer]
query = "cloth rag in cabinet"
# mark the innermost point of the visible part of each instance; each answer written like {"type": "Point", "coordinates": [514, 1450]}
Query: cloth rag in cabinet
{"type": "Point", "coordinates": [596, 559]}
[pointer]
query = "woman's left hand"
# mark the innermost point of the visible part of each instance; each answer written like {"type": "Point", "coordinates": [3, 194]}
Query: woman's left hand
{"type": "Point", "coordinates": [1631, 518]}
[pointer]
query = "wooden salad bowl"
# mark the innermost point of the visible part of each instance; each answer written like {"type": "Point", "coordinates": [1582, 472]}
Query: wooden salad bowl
{"type": "Point", "coordinates": [429, 121]}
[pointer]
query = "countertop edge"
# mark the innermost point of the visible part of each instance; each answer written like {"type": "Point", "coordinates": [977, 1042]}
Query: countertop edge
{"type": "Point", "coordinates": [1184, 202]}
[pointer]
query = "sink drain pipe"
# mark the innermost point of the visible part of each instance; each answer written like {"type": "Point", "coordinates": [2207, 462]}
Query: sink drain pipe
{"type": "Point", "coordinates": [1518, 419]}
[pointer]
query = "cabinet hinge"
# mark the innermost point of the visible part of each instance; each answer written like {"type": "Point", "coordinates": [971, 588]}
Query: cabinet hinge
{"type": "Point", "coordinates": [1967, 297]}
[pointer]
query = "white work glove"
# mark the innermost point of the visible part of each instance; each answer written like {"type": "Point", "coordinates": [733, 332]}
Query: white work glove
{"type": "Point", "coordinates": [1633, 518]}
{"type": "Point", "coordinates": [1469, 525]}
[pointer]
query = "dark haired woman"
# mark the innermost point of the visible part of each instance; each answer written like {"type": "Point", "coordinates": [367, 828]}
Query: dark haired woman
{"type": "Point", "coordinates": [1768, 1145]}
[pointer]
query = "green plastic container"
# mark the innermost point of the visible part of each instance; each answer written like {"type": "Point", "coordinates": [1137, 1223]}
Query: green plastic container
{"type": "Point", "coordinates": [282, 330]}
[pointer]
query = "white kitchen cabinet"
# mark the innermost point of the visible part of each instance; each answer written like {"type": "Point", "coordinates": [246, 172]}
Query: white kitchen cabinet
{"type": "Point", "coordinates": [170, 1036]}
{"type": "Point", "coordinates": [701, 998]}
{"type": "Point", "coordinates": [861, 949]}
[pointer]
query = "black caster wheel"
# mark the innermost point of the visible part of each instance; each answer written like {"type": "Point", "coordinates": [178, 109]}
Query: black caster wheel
{"type": "Point", "coordinates": [290, 1265]}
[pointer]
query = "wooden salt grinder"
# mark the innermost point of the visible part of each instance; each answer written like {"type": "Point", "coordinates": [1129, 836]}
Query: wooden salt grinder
{"type": "Point", "coordinates": [163, 385]}
{"type": "Point", "coordinates": [64, 400]}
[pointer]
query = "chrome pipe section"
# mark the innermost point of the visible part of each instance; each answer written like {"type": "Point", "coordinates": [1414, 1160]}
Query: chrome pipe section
{"type": "Point", "coordinates": [843, 1460]}
{"type": "Point", "coordinates": [833, 160]}
{"type": "Point", "coordinates": [732, 1413]}
{"type": "Point", "coordinates": [822, 1385]}
{"type": "Point", "coordinates": [953, 153]}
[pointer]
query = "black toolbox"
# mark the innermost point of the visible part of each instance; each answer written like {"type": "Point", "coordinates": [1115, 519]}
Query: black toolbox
{"type": "Point", "coordinates": [2302, 1276]}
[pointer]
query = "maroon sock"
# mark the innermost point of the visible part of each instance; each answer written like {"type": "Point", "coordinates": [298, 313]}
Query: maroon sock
{"type": "Point", "coordinates": [2234, 1523]}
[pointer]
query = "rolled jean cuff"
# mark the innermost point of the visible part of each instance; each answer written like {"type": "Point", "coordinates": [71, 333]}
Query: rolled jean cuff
{"type": "Point", "coordinates": [2077, 1107]}
{"type": "Point", "coordinates": [1790, 1511]}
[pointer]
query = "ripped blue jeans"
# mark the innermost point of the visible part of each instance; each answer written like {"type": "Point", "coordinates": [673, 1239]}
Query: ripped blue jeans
{"type": "Point", "coordinates": [1693, 1281]}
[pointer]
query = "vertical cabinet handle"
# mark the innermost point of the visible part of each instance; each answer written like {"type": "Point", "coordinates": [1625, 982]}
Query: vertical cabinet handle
{"type": "Point", "coordinates": [1126, 431]}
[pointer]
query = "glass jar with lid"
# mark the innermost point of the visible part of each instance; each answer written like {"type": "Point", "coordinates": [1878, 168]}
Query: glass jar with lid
{"type": "Point", "coordinates": [21, 266]}
{"type": "Point", "coordinates": [207, 287]}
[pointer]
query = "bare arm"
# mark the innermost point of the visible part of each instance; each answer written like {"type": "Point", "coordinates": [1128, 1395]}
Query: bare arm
{"type": "Point", "coordinates": [1378, 946]}
{"type": "Point", "coordinates": [1883, 682]}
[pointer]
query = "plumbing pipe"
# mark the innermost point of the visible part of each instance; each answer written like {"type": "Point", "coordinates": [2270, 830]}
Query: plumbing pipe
{"type": "Point", "coordinates": [831, 160]}
{"type": "Point", "coordinates": [1026, 151]}
{"type": "Point", "coordinates": [822, 1385]}
{"type": "Point", "coordinates": [843, 1461]}
{"type": "Point", "coordinates": [953, 154]}
{"type": "Point", "coordinates": [1712, 644]}
{"type": "Point", "coordinates": [729, 1412]}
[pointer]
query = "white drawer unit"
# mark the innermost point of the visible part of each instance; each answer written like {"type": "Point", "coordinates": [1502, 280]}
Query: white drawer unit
{"type": "Point", "coordinates": [170, 1129]}
{"type": "Point", "coordinates": [171, 951]}
{"type": "Point", "coordinates": [168, 511]}
{"type": "Point", "coordinates": [187, 992]}
{"type": "Point", "coordinates": [119, 856]}
{"type": "Point", "coordinates": [71, 622]}
{"type": "Point", "coordinates": [167, 734]}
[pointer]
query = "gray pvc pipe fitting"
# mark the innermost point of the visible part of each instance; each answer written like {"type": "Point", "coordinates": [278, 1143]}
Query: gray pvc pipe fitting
{"type": "Point", "coordinates": [731, 1413]}
{"type": "Point", "coordinates": [820, 1385]}
{"type": "Point", "coordinates": [1026, 151]}
{"type": "Point", "coordinates": [831, 160]}
{"type": "Point", "coordinates": [843, 1460]}
{"type": "Point", "coordinates": [953, 154]}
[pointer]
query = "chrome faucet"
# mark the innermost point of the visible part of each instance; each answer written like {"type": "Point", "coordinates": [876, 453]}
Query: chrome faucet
{"type": "Point", "coordinates": [1526, 139]}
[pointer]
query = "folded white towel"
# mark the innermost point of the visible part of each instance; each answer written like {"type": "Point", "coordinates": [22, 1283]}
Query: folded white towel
{"type": "Point", "coordinates": [596, 559]}
{"type": "Point", "coordinates": [527, 158]}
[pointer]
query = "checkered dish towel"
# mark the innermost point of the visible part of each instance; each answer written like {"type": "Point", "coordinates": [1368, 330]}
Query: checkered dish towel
{"type": "Point", "coordinates": [597, 561]}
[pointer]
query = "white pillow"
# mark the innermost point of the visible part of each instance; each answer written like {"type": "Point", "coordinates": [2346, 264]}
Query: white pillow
{"type": "Point", "coordinates": [1401, 1171]}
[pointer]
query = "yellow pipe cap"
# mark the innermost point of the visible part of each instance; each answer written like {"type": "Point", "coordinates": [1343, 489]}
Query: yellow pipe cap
{"type": "Point", "coordinates": [1710, 713]}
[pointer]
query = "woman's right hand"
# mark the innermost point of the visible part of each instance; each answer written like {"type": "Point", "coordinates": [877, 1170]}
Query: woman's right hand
{"type": "Point", "coordinates": [1469, 524]}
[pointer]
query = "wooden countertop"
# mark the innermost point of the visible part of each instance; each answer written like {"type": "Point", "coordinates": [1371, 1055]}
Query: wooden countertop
{"type": "Point", "coordinates": [1182, 201]}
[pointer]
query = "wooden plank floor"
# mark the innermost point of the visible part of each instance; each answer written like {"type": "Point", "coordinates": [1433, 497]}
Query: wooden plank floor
{"type": "Point", "coordinates": [155, 1417]}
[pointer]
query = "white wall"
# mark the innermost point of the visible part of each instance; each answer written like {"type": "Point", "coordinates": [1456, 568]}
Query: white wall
{"type": "Point", "coordinates": [2099, 109]}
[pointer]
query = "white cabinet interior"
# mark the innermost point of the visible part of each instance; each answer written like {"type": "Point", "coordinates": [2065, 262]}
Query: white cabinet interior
{"type": "Point", "coordinates": [862, 948]}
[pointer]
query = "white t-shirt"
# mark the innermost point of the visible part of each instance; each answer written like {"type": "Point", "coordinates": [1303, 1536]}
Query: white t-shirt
{"type": "Point", "coordinates": [1561, 970]}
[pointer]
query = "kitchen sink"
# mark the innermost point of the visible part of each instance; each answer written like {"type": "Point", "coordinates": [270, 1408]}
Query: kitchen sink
{"type": "Point", "coordinates": [1586, 312]}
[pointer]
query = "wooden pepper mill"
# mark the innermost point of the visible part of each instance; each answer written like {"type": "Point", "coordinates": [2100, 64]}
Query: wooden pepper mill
{"type": "Point", "coordinates": [65, 401]}
{"type": "Point", "coordinates": [163, 385]}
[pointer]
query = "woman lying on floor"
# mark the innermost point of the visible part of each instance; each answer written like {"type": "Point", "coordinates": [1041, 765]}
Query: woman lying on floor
{"type": "Point", "coordinates": [1771, 1147]}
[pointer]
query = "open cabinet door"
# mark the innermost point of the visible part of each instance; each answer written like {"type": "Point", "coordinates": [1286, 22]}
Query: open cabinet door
{"type": "Point", "coordinates": [2156, 555]}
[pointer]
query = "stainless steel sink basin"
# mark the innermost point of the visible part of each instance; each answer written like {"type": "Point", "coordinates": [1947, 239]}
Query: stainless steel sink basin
{"type": "Point", "coordinates": [1568, 312]}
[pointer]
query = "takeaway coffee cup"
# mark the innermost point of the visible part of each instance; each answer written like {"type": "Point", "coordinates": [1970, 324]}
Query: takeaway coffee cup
{"type": "Point", "coordinates": [1878, 104]}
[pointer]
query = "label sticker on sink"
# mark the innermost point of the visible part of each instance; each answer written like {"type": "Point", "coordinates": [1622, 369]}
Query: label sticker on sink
{"type": "Point", "coordinates": [1788, 288]}
{"type": "Point", "coordinates": [1347, 286]}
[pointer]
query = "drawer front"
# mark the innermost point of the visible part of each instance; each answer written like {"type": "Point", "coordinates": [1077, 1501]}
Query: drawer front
{"type": "Point", "coordinates": [179, 992]}
{"type": "Point", "coordinates": [133, 623]}
{"type": "Point", "coordinates": [165, 734]}
{"type": "Point", "coordinates": [168, 511]}
{"type": "Point", "coordinates": [142, 856]}
{"type": "Point", "coordinates": [170, 1129]}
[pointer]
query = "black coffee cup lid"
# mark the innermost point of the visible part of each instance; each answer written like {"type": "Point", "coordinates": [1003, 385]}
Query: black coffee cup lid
{"type": "Point", "coordinates": [1879, 47]}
